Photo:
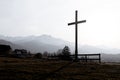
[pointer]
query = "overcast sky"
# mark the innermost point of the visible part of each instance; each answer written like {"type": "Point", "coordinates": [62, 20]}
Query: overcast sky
{"type": "Point", "coordinates": [37, 17]}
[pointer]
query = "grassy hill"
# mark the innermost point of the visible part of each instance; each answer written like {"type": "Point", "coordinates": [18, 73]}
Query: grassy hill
{"type": "Point", "coordinates": [35, 69]}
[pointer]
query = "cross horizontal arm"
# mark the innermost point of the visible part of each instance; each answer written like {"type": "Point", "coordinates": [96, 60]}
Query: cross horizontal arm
{"type": "Point", "coordinates": [77, 22]}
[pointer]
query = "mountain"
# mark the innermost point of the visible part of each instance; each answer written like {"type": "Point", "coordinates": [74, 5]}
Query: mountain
{"type": "Point", "coordinates": [13, 46]}
{"type": "Point", "coordinates": [38, 43]}
{"type": "Point", "coordinates": [51, 44]}
{"type": "Point", "coordinates": [97, 49]}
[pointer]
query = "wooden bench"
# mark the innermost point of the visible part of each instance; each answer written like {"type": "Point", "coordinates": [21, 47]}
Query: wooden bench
{"type": "Point", "coordinates": [88, 57]}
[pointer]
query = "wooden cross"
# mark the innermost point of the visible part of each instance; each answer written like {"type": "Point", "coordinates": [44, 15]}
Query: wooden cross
{"type": "Point", "coordinates": [76, 34]}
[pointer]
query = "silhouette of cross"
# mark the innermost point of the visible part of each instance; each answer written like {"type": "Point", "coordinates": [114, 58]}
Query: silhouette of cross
{"type": "Point", "coordinates": [76, 33]}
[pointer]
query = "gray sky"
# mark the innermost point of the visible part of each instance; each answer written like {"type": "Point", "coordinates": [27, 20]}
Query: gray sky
{"type": "Point", "coordinates": [37, 17]}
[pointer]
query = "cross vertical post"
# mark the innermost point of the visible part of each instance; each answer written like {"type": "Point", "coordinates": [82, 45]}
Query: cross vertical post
{"type": "Point", "coordinates": [76, 37]}
{"type": "Point", "coordinates": [76, 33]}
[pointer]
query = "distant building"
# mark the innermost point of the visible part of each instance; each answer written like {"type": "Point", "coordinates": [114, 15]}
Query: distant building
{"type": "Point", "coordinates": [21, 53]}
{"type": "Point", "coordinates": [5, 50]}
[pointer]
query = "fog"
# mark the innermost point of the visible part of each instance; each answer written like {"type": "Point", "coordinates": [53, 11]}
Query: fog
{"type": "Point", "coordinates": [37, 17]}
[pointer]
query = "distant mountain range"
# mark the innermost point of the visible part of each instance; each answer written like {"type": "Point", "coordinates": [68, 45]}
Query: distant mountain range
{"type": "Point", "coordinates": [13, 46]}
{"type": "Point", "coordinates": [48, 43]}
{"type": "Point", "coordinates": [35, 43]}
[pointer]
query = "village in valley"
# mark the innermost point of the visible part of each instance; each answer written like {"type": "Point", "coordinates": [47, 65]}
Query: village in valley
{"type": "Point", "coordinates": [61, 54]}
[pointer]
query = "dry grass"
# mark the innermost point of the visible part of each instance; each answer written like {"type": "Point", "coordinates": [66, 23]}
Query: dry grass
{"type": "Point", "coordinates": [31, 69]}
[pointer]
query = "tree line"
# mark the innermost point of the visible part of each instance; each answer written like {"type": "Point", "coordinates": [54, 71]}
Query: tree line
{"type": "Point", "coordinates": [61, 54]}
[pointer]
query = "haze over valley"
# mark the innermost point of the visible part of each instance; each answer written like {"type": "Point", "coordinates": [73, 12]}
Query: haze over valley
{"type": "Point", "coordinates": [51, 44]}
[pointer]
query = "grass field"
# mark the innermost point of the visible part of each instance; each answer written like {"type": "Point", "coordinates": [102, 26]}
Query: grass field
{"type": "Point", "coordinates": [33, 69]}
